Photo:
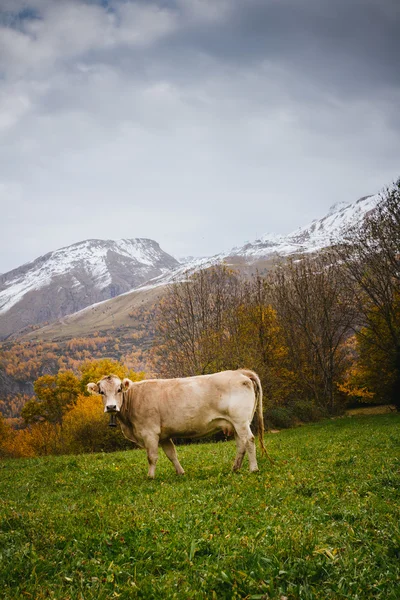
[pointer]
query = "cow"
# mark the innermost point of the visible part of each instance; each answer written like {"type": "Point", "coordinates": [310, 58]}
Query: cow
{"type": "Point", "coordinates": [153, 411]}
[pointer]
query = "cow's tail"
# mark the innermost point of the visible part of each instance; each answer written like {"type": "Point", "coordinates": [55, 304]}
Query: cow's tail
{"type": "Point", "coordinates": [259, 407]}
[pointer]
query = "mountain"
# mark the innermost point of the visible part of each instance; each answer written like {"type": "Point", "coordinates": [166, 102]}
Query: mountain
{"type": "Point", "coordinates": [115, 315]}
{"type": "Point", "coordinates": [69, 279]}
{"type": "Point", "coordinates": [319, 234]}
{"type": "Point", "coordinates": [56, 287]}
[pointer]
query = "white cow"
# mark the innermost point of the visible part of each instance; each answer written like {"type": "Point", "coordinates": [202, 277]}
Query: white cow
{"type": "Point", "coordinates": [153, 411]}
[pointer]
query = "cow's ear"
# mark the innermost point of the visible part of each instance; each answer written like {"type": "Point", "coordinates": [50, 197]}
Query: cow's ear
{"type": "Point", "coordinates": [126, 384]}
{"type": "Point", "coordinates": [93, 388]}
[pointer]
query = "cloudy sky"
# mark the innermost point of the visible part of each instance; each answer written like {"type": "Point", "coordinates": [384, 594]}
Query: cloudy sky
{"type": "Point", "coordinates": [199, 123]}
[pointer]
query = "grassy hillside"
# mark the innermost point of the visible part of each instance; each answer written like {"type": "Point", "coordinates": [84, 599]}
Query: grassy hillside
{"type": "Point", "coordinates": [112, 315]}
{"type": "Point", "coordinates": [322, 522]}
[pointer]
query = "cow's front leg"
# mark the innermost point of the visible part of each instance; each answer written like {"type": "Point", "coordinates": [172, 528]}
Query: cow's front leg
{"type": "Point", "coordinates": [170, 451]}
{"type": "Point", "coordinates": [151, 445]}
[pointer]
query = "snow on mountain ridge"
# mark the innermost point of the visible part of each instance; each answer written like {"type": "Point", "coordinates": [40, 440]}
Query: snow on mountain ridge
{"type": "Point", "coordinates": [318, 234]}
{"type": "Point", "coordinates": [74, 278]}
{"type": "Point", "coordinates": [337, 207]}
{"type": "Point", "coordinates": [272, 238]}
{"type": "Point", "coordinates": [90, 258]}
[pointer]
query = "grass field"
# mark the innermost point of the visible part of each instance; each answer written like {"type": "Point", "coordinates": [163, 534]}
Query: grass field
{"type": "Point", "coordinates": [322, 522]}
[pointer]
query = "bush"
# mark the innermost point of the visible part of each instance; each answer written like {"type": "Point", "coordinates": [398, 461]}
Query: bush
{"type": "Point", "coordinates": [18, 444]}
{"type": "Point", "coordinates": [86, 428]}
{"type": "Point", "coordinates": [306, 411]}
{"type": "Point", "coordinates": [279, 416]}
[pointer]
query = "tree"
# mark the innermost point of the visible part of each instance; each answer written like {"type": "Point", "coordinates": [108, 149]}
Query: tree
{"type": "Point", "coordinates": [191, 323]}
{"type": "Point", "coordinates": [316, 315]}
{"type": "Point", "coordinates": [4, 436]}
{"type": "Point", "coordinates": [216, 321]}
{"type": "Point", "coordinates": [372, 376]}
{"type": "Point", "coordinates": [255, 339]}
{"type": "Point", "coordinates": [370, 255]}
{"type": "Point", "coordinates": [55, 395]}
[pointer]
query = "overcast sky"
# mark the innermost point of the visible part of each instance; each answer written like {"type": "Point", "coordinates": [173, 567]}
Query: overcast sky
{"type": "Point", "coordinates": [199, 123]}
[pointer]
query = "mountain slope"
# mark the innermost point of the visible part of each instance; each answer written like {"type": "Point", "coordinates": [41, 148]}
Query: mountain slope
{"type": "Point", "coordinates": [71, 278]}
{"type": "Point", "coordinates": [319, 234]}
{"type": "Point", "coordinates": [261, 254]}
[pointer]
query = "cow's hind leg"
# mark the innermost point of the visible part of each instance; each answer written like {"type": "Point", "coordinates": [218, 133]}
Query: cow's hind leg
{"type": "Point", "coordinates": [151, 445]}
{"type": "Point", "coordinates": [170, 451]}
{"type": "Point", "coordinates": [251, 451]}
{"type": "Point", "coordinates": [245, 442]}
{"type": "Point", "coordinates": [240, 451]}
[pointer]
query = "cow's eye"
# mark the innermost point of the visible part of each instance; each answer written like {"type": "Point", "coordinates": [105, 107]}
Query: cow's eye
{"type": "Point", "coordinates": [119, 390]}
{"type": "Point", "coordinates": [101, 392]}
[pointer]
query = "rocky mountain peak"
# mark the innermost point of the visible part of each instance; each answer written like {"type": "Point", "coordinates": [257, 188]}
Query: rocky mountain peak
{"type": "Point", "coordinates": [73, 277]}
{"type": "Point", "coordinates": [318, 234]}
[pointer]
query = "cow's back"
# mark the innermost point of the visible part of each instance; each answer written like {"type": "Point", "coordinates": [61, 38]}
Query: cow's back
{"type": "Point", "coordinates": [190, 406]}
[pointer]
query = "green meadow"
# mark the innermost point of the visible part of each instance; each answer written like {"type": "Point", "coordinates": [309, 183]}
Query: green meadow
{"type": "Point", "coordinates": [321, 522]}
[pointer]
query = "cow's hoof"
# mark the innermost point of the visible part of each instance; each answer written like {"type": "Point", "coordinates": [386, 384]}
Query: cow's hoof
{"type": "Point", "coordinates": [256, 470]}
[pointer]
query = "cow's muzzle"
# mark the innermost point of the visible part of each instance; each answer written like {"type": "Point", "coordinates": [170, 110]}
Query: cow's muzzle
{"type": "Point", "coordinates": [110, 408]}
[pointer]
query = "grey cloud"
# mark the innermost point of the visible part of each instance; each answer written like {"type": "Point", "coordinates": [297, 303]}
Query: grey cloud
{"type": "Point", "coordinates": [347, 45]}
{"type": "Point", "coordinates": [199, 124]}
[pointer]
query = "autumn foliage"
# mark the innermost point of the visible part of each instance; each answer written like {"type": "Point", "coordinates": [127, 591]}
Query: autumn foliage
{"type": "Point", "coordinates": [322, 331]}
{"type": "Point", "coordinates": [62, 418]}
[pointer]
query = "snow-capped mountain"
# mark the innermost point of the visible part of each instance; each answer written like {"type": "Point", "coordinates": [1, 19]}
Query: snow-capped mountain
{"type": "Point", "coordinates": [71, 278]}
{"type": "Point", "coordinates": [319, 234]}
{"type": "Point", "coordinates": [94, 271]}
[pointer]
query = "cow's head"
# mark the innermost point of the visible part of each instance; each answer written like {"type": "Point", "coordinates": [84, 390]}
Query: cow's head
{"type": "Point", "coordinates": [111, 388]}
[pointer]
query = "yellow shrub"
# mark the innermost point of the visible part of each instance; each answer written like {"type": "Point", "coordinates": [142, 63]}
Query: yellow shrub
{"type": "Point", "coordinates": [86, 428]}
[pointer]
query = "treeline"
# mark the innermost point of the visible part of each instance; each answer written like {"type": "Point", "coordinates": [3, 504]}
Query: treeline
{"type": "Point", "coordinates": [322, 331]}
{"type": "Point", "coordinates": [62, 418]}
